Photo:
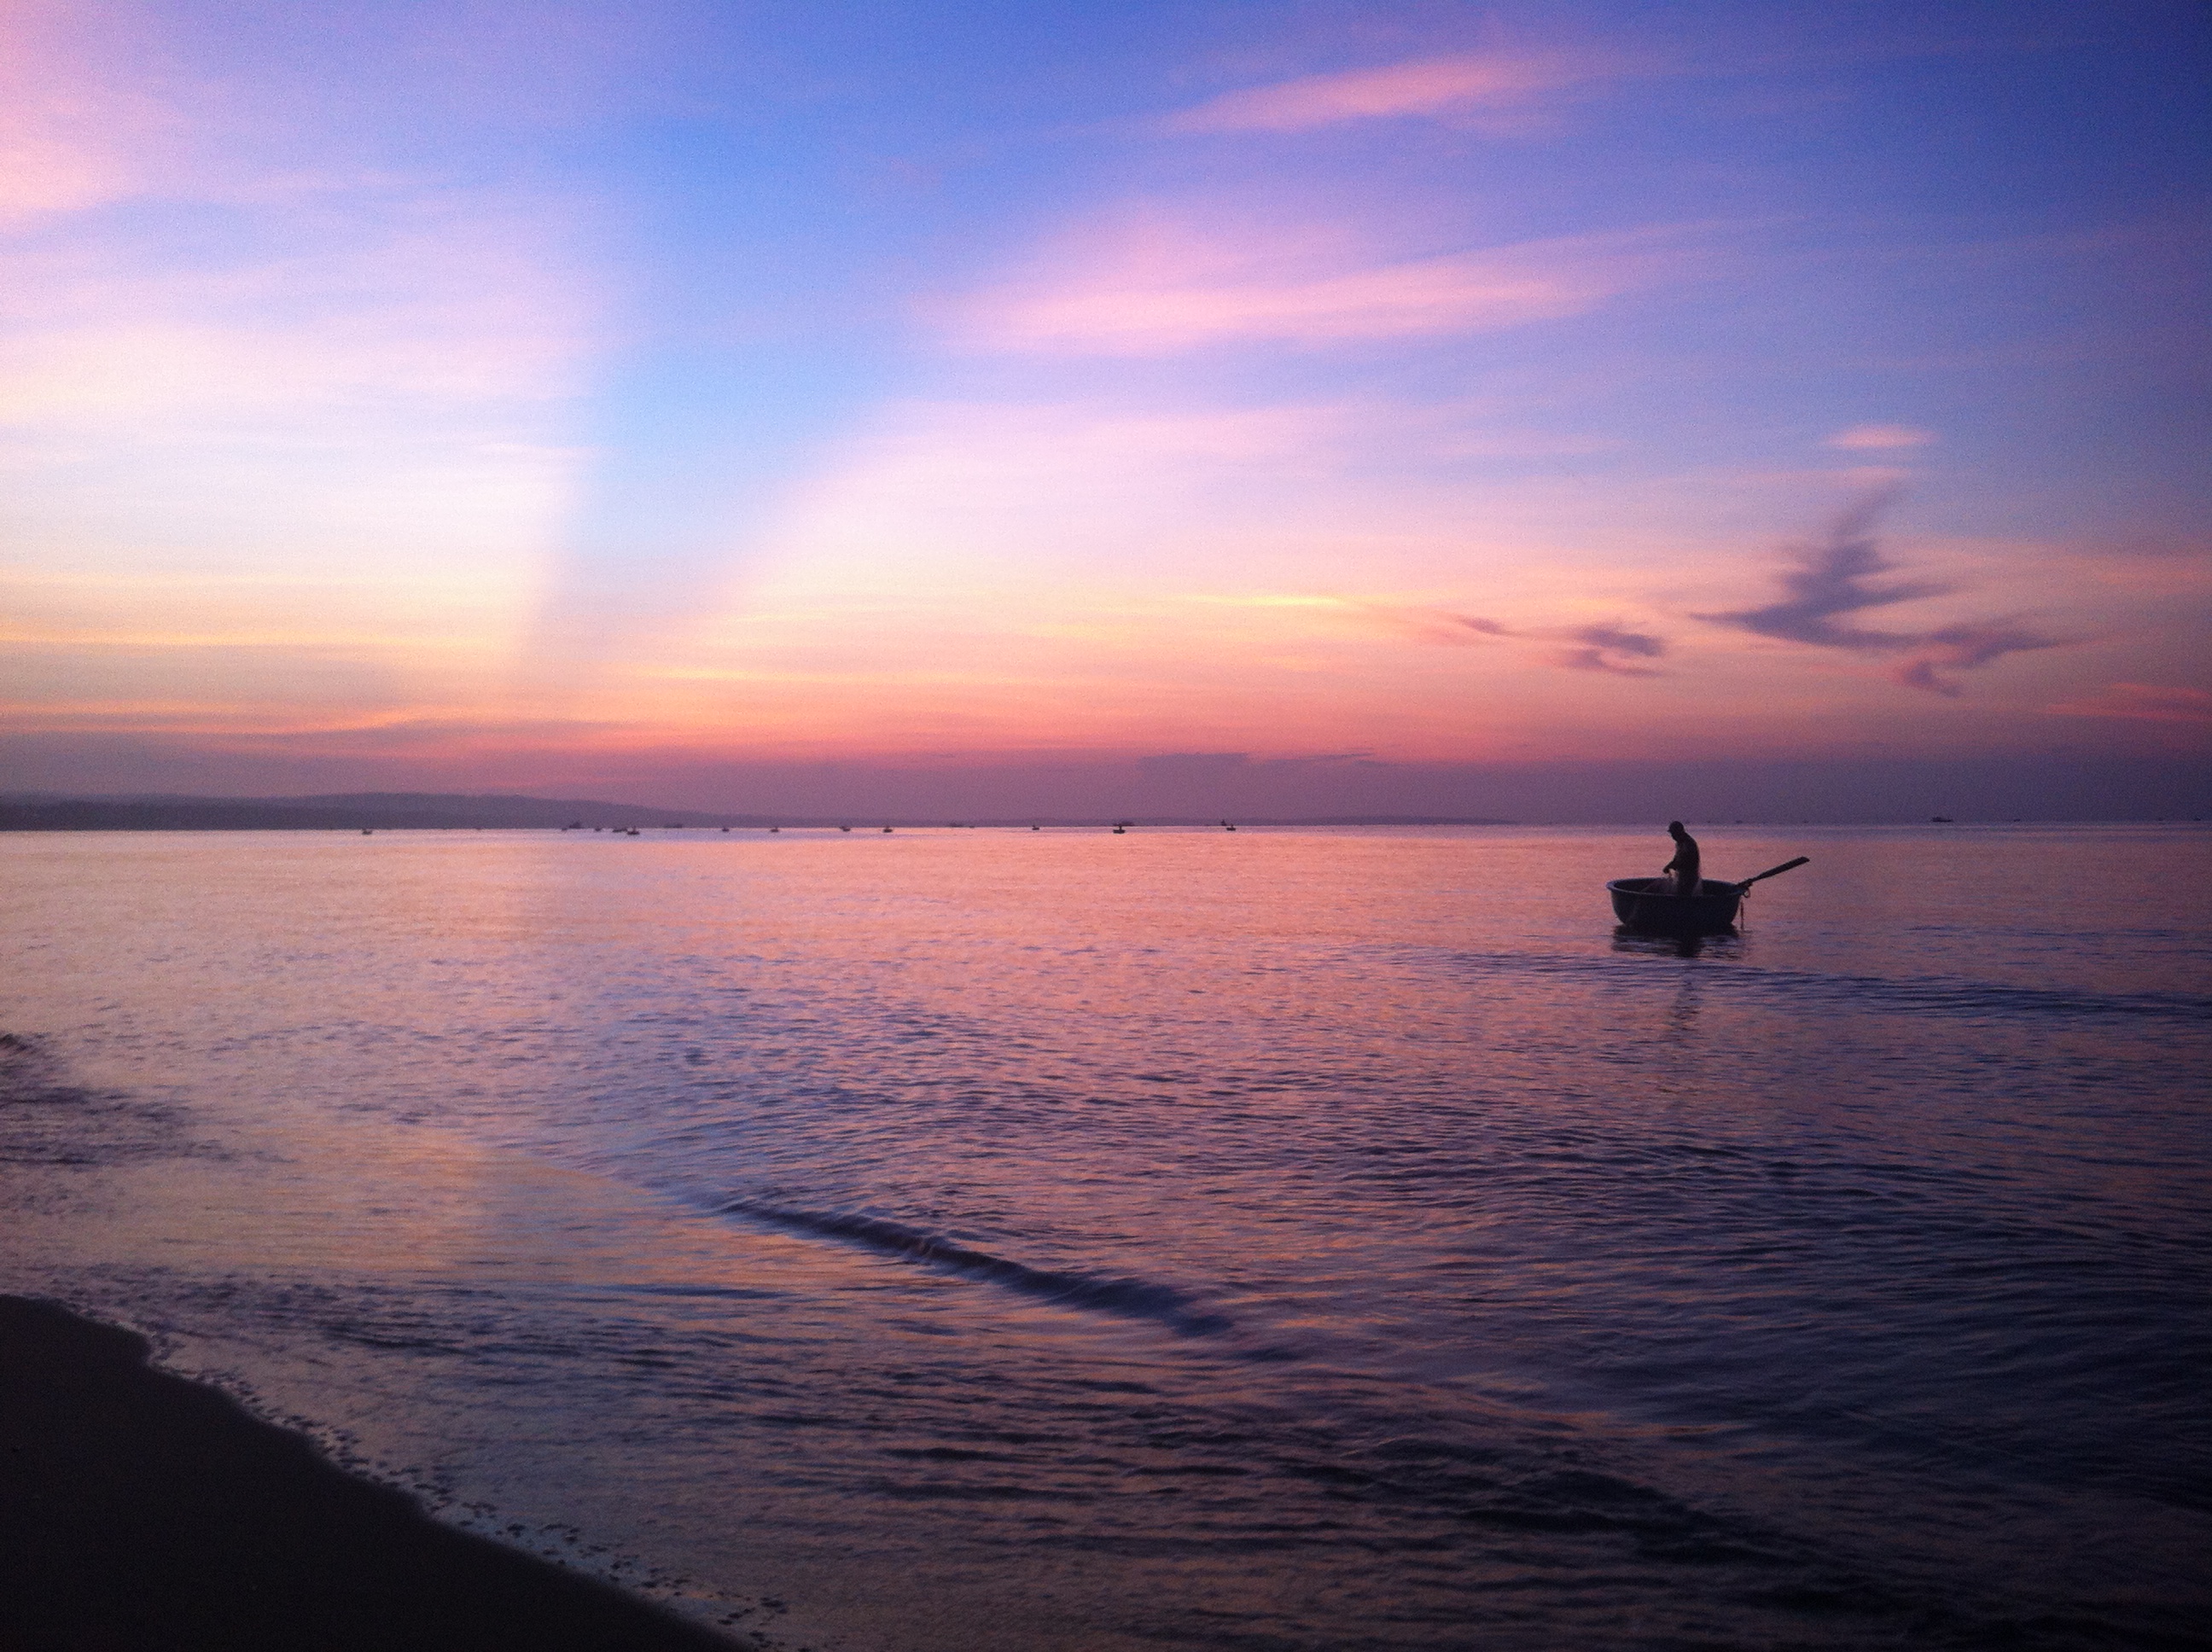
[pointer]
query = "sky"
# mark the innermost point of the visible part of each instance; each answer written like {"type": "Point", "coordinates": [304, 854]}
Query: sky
{"type": "Point", "coordinates": [1537, 408]}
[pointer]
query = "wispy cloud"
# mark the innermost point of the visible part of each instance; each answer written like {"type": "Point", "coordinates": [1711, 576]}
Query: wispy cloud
{"type": "Point", "coordinates": [418, 300]}
{"type": "Point", "coordinates": [1018, 485]}
{"type": "Point", "coordinates": [245, 270]}
{"type": "Point", "coordinates": [1965, 648]}
{"type": "Point", "coordinates": [1612, 648]}
{"type": "Point", "coordinates": [269, 398]}
{"type": "Point", "coordinates": [1831, 580]}
{"type": "Point", "coordinates": [1437, 87]}
{"type": "Point", "coordinates": [1834, 578]}
{"type": "Point", "coordinates": [2141, 703]}
{"type": "Point", "coordinates": [1609, 648]}
{"type": "Point", "coordinates": [76, 130]}
{"type": "Point", "coordinates": [1152, 289]}
{"type": "Point", "coordinates": [1880, 438]}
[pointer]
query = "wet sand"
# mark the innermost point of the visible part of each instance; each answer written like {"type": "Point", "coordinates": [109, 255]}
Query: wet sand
{"type": "Point", "coordinates": [142, 1512]}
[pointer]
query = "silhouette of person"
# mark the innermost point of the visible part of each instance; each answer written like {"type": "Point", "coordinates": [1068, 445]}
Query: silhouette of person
{"type": "Point", "coordinates": [1684, 865]}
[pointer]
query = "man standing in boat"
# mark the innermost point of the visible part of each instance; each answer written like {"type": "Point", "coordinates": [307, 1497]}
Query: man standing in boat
{"type": "Point", "coordinates": [1684, 865]}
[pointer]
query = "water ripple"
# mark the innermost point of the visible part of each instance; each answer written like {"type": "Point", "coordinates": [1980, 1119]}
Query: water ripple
{"type": "Point", "coordinates": [1127, 1297]}
{"type": "Point", "coordinates": [1926, 994]}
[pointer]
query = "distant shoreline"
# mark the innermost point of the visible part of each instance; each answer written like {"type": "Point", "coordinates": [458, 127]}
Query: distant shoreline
{"type": "Point", "coordinates": [409, 811]}
{"type": "Point", "coordinates": [378, 811]}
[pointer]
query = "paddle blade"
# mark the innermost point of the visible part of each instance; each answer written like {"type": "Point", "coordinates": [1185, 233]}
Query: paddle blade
{"type": "Point", "coordinates": [1772, 871]}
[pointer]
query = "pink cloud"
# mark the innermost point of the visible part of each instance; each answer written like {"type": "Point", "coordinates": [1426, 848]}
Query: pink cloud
{"type": "Point", "coordinates": [1154, 291]}
{"type": "Point", "coordinates": [1429, 86]}
{"type": "Point", "coordinates": [1880, 438]}
{"type": "Point", "coordinates": [2143, 703]}
{"type": "Point", "coordinates": [77, 130]}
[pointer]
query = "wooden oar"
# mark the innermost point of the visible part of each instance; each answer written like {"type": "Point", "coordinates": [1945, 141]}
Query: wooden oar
{"type": "Point", "coordinates": [1773, 872]}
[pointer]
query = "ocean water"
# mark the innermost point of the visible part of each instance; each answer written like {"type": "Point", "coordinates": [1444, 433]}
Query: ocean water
{"type": "Point", "coordinates": [1314, 1239]}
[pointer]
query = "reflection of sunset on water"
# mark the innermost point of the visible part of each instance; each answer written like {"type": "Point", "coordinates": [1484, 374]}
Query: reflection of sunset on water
{"type": "Point", "coordinates": [1107, 1235]}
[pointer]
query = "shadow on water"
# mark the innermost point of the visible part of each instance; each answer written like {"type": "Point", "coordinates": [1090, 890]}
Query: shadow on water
{"type": "Point", "coordinates": [1640, 943]}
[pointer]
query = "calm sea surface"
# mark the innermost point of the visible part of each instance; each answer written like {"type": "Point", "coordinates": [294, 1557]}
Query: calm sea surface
{"type": "Point", "coordinates": [1336, 1240]}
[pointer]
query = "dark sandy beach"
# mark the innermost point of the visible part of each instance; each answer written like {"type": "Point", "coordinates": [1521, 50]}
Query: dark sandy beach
{"type": "Point", "coordinates": [143, 1513]}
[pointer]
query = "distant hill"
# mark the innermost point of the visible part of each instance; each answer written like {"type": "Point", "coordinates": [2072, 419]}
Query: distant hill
{"type": "Point", "coordinates": [432, 810]}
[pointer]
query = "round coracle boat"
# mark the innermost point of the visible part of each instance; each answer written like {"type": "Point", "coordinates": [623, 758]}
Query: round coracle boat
{"type": "Point", "coordinates": [1651, 903]}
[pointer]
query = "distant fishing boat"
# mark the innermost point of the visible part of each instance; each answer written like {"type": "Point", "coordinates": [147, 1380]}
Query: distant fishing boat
{"type": "Point", "coordinates": [1651, 904]}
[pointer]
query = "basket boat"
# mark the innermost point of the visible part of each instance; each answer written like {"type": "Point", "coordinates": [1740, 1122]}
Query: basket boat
{"type": "Point", "coordinates": [1651, 904]}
